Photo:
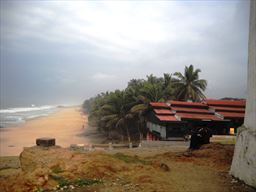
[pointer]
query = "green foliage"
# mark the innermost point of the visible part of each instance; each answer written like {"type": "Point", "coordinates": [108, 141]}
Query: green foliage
{"type": "Point", "coordinates": [85, 181]}
{"type": "Point", "coordinates": [61, 180]}
{"type": "Point", "coordinates": [77, 182]}
{"type": "Point", "coordinates": [189, 86]}
{"type": "Point", "coordinates": [57, 169]}
{"type": "Point", "coordinates": [124, 111]}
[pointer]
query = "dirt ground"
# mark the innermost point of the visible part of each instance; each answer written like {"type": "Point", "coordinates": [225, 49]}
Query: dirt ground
{"type": "Point", "coordinates": [140, 169]}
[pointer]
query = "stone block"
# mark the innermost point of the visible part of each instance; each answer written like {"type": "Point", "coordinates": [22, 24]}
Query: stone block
{"type": "Point", "coordinates": [45, 142]}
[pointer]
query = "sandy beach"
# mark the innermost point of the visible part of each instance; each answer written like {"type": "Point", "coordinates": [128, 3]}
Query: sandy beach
{"type": "Point", "coordinates": [66, 126]}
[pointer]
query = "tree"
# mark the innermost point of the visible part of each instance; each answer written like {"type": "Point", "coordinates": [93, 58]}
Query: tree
{"type": "Point", "coordinates": [116, 112]}
{"type": "Point", "coordinates": [168, 88]}
{"type": "Point", "coordinates": [189, 86]}
{"type": "Point", "coordinates": [124, 111]}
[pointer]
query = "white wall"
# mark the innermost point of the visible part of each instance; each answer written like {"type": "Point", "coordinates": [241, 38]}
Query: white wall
{"type": "Point", "coordinates": [244, 160]}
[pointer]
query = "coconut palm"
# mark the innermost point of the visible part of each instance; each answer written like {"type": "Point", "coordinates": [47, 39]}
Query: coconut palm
{"type": "Point", "coordinates": [167, 86]}
{"type": "Point", "coordinates": [138, 111]}
{"type": "Point", "coordinates": [189, 86]}
{"type": "Point", "coordinates": [116, 112]}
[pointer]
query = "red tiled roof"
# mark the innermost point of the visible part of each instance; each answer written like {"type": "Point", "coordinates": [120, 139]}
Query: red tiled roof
{"type": "Point", "coordinates": [167, 118]}
{"type": "Point", "coordinates": [186, 103]}
{"type": "Point", "coordinates": [158, 104]}
{"type": "Point", "coordinates": [219, 102]}
{"type": "Point", "coordinates": [198, 116]}
{"type": "Point", "coordinates": [192, 110]}
{"type": "Point", "coordinates": [231, 115]}
{"type": "Point", "coordinates": [164, 111]}
{"type": "Point", "coordinates": [217, 108]}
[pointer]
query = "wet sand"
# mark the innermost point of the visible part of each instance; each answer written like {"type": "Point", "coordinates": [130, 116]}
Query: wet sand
{"type": "Point", "coordinates": [67, 126]}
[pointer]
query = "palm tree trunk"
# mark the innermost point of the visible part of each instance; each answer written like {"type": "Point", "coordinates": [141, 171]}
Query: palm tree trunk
{"type": "Point", "coordinates": [128, 134]}
{"type": "Point", "coordinates": [108, 133]}
{"type": "Point", "coordinates": [139, 131]}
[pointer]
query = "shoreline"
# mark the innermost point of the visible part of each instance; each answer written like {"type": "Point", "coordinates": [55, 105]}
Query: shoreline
{"type": "Point", "coordinates": [67, 125]}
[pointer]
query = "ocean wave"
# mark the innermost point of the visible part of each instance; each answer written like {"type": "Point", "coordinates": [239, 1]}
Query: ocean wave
{"type": "Point", "coordinates": [26, 109]}
{"type": "Point", "coordinates": [35, 116]}
{"type": "Point", "coordinates": [12, 116]}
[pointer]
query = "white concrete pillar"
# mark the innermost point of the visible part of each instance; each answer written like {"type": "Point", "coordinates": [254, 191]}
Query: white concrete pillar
{"type": "Point", "coordinates": [250, 114]}
{"type": "Point", "coordinates": [244, 159]}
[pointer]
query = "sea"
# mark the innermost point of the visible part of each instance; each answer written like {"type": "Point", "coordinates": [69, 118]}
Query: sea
{"type": "Point", "coordinates": [11, 117]}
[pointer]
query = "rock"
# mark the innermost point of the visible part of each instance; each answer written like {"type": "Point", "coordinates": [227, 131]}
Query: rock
{"type": "Point", "coordinates": [38, 177]}
{"type": "Point", "coordinates": [187, 153]}
{"type": "Point", "coordinates": [234, 181]}
{"type": "Point", "coordinates": [161, 166]}
{"type": "Point", "coordinates": [36, 157]}
{"type": "Point", "coordinates": [164, 167]}
{"type": "Point", "coordinates": [71, 187]}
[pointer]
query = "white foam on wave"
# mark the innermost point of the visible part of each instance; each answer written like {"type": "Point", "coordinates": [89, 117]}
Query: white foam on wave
{"type": "Point", "coordinates": [35, 116]}
{"type": "Point", "coordinates": [26, 109]}
{"type": "Point", "coordinates": [11, 116]}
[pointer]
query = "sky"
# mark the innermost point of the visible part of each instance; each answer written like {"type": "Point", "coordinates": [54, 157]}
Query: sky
{"type": "Point", "coordinates": [62, 52]}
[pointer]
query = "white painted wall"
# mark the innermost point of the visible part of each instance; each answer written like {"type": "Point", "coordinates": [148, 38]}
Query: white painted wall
{"type": "Point", "coordinates": [244, 160]}
{"type": "Point", "coordinates": [158, 128]}
{"type": "Point", "coordinates": [250, 114]}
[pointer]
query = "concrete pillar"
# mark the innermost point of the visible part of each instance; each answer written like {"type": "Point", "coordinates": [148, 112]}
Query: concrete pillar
{"type": "Point", "coordinates": [244, 160]}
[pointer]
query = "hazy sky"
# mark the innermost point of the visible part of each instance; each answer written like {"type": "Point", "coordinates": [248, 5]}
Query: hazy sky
{"type": "Point", "coordinates": [64, 52]}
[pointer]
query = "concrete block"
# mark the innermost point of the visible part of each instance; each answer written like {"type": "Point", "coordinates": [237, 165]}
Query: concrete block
{"type": "Point", "coordinates": [45, 142]}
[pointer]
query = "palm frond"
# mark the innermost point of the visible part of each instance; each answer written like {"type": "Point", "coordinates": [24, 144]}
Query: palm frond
{"type": "Point", "coordinates": [138, 108]}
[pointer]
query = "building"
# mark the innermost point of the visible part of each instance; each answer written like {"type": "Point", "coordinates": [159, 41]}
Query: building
{"type": "Point", "coordinates": [175, 119]}
{"type": "Point", "coordinates": [199, 115]}
{"type": "Point", "coordinates": [229, 110]}
{"type": "Point", "coordinates": [163, 124]}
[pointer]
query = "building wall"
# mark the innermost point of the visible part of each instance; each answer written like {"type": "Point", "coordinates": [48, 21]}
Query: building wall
{"type": "Point", "coordinates": [244, 160]}
{"type": "Point", "coordinates": [157, 128]}
{"type": "Point", "coordinates": [176, 130]}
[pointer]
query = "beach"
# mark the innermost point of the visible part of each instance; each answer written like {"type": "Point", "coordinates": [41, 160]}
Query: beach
{"type": "Point", "coordinates": [67, 126]}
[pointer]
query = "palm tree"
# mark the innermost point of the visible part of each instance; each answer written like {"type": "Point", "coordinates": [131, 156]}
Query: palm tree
{"type": "Point", "coordinates": [189, 86]}
{"type": "Point", "coordinates": [116, 112]}
{"type": "Point", "coordinates": [167, 86]}
{"type": "Point", "coordinates": [152, 88]}
{"type": "Point", "coordinates": [138, 111]}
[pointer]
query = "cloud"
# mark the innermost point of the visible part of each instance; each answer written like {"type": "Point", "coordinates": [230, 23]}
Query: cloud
{"type": "Point", "coordinates": [103, 76]}
{"type": "Point", "coordinates": [97, 46]}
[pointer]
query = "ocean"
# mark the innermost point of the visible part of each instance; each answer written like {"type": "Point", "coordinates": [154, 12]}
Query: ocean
{"type": "Point", "coordinates": [13, 116]}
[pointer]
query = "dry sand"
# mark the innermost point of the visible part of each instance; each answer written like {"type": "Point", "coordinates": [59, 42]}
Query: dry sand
{"type": "Point", "coordinates": [65, 126]}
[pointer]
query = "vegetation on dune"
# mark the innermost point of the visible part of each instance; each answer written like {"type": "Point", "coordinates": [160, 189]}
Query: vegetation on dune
{"type": "Point", "coordinates": [121, 114]}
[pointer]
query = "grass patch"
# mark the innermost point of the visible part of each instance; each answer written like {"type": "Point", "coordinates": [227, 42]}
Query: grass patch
{"type": "Point", "coordinates": [130, 159]}
{"type": "Point", "coordinates": [85, 181]}
{"type": "Point", "coordinates": [57, 170]}
{"type": "Point", "coordinates": [77, 182]}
